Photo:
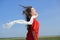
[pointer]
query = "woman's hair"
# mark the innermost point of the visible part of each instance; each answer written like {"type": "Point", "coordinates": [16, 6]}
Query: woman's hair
{"type": "Point", "coordinates": [27, 12]}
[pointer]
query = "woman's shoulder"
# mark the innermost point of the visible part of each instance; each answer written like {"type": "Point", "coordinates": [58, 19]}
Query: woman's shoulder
{"type": "Point", "coordinates": [34, 16]}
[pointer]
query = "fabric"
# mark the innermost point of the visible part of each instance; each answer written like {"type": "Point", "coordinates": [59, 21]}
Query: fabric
{"type": "Point", "coordinates": [34, 27]}
{"type": "Point", "coordinates": [25, 22]}
{"type": "Point", "coordinates": [10, 24]}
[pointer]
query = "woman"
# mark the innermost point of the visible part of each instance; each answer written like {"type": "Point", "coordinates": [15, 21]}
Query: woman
{"type": "Point", "coordinates": [31, 22]}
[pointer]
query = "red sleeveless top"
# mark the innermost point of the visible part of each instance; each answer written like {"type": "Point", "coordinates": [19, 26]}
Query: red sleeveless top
{"type": "Point", "coordinates": [34, 27]}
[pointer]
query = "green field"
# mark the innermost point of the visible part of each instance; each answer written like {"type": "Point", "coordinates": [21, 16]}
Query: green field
{"type": "Point", "coordinates": [41, 38]}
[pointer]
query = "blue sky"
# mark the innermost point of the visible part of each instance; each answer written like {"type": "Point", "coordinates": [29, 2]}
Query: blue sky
{"type": "Point", "coordinates": [49, 17]}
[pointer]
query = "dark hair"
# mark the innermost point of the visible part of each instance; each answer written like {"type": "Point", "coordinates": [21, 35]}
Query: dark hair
{"type": "Point", "coordinates": [27, 12]}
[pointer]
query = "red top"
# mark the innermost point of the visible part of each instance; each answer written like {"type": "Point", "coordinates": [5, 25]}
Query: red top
{"type": "Point", "coordinates": [34, 27]}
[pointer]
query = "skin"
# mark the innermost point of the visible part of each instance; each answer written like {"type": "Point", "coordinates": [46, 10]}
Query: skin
{"type": "Point", "coordinates": [33, 12]}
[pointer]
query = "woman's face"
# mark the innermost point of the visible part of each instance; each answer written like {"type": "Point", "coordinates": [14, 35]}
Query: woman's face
{"type": "Point", "coordinates": [33, 11]}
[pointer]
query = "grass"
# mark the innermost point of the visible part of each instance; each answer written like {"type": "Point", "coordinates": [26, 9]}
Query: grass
{"type": "Point", "coordinates": [41, 38]}
{"type": "Point", "coordinates": [50, 38]}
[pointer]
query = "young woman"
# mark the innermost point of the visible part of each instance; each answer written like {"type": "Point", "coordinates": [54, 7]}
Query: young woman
{"type": "Point", "coordinates": [31, 22]}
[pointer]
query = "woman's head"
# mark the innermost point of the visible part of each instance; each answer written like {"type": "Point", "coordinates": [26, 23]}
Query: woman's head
{"type": "Point", "coordinates": [33, 12]}
{"type": "Point", "coordinates": [29, 11]}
